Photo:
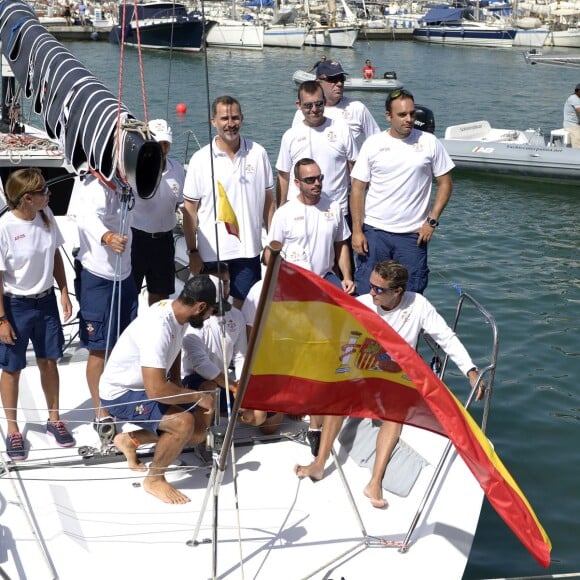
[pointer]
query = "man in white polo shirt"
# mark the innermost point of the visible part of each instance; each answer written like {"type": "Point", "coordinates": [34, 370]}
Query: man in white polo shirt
{"type": "Point", "coordinates": [395, 219]}
{"type": "Point", "coordinates": [327, 140]}
{"type": "Point", "coordinates": [331, 77]}
{"type": "Point", "coordinates": [243, 169]}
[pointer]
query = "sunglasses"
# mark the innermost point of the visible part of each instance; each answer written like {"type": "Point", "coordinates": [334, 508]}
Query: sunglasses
{"type": "Point", "coordinates": [380, 289]}
{"type": "Point", "coordinates": [309, 106]}
{"type": "Point", "coordinates": [42, 191]}
{"type": "Point", "coordinates": [312, 179]}
{"type": "Point", "coordinates": [333, 80]}
{"type": "Point", "coordinates": [395, 95]}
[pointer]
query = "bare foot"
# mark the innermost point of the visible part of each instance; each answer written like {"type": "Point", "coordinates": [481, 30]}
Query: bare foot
{"type": "Point", "coordinates": [125, 444]}
{"type": "Point", "coordinates": [313, 471]}
{"type": "Point", "coordinates": [376, 497]}
{"type": "Point", "coordinates": [162, 490]}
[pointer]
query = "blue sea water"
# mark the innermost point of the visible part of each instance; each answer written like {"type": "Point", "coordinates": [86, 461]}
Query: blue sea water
{"type": "Point", "coordinates": [512, 244]}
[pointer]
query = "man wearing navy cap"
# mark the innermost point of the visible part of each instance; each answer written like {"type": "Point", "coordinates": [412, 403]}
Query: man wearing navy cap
{"type": "Point", "coordinates": [572, 117]}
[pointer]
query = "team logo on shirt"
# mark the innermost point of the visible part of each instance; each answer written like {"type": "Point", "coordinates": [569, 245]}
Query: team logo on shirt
{"type": "Point", "coordinates": [331, 136]}
{"type": "Point", "coordinates": [364, 353]}
{"type": "Point", "coordinates": [250, 168]}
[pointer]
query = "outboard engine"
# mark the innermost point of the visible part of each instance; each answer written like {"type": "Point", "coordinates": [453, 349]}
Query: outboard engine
{"type": "Point", "coordinates": [424, 119]}
{"type": "Point", "coordinates": [390, 75]}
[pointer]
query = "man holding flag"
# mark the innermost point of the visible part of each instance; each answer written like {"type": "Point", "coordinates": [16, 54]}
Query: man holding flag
{"type": "Point", "coordinates": [236, 173]}
{"type": "Point", "coordinates": [407, 313]}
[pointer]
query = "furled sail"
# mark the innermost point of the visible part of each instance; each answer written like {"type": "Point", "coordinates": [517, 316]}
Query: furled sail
{"type": "Point", "coordinates": [95, 129]}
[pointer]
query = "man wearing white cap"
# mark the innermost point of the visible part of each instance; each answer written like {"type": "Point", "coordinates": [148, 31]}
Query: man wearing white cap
{"type": "Point", "coordinates": [153, 250]}
{"type": "Point", "coordinates": [572, 117]}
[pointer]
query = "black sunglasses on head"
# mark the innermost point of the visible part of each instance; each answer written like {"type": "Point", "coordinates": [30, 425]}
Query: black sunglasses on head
{"type": "Point", "coordinates": [395, 95]}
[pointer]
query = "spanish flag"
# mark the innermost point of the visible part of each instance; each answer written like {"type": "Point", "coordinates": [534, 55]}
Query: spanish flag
{"type": "Point", "coordinates": [321, 352]}
{"type": "Point", "coordinates": [226, 213]}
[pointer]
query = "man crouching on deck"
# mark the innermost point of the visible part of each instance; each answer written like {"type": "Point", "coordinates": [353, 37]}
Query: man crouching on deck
{"type": "Point", "coordinates": [408, 314]}
{"type": "Point", "coordinates": [141, 384]}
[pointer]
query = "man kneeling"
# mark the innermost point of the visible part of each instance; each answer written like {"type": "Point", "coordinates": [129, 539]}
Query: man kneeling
{"type": "Point", "coordinates": [141, 384]}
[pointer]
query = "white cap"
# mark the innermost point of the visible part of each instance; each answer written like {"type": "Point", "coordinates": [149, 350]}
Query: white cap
{"type": "Point", "coordinates": [160, 130]}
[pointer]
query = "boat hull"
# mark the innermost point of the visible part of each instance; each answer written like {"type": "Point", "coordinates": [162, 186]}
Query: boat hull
{"type": "Point", "coordinates": [569, 38]}
{"type": "Point", "coordinates": [550, 164]}
{"type": "Point", "coordinates": [239, 35]}
{"type": "Point", "coordinates": [181, 36]}
{"type": "Point", "coordinates": [285, 36]}
{"type": "Point", "coordinates": [531, 38]}
{"type": "Point", "coordinates": [337, 37]}
{"type": "Point", "coordinates": [355, 84]}
{"type": "Point", "coordinates": [464, 36]}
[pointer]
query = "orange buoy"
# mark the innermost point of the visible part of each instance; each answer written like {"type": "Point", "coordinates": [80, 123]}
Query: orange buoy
{"type": "Point", "coordinates": [181, 108]}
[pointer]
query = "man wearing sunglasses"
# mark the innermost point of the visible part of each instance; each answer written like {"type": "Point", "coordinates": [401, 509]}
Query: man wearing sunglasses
{"type": "Point", "coordinates": [408, 313]}
{"type": "Point", "coordinates": [394, 218]}
{"type": "Point", "coordinates": [331, 77]}
{"type": "Point", "coordinates": [317, 136]}
{"type": "Point", "coordinates": [312, 228]}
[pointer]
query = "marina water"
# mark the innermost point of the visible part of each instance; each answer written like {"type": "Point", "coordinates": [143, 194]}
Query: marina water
{"type": "Point", "coordinates": [514, 245]}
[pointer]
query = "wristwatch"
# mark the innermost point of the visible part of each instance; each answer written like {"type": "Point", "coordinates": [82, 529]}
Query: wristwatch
{"type": "Point", "coordinates": [432, 221]}
{"type": "Point", "coordinates": [192, 251]}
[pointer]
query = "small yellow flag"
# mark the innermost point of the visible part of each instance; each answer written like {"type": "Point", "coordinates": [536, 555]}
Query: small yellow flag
{"type": "Point", "coordinates": [226, 213]}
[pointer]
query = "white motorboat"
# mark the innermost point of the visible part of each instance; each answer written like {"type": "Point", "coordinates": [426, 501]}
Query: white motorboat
{"type": "Point", "coordinates": [531, 154]}
{"type": "Point", "coordinates": [537, 57]}
{"type": "Point", "coordinates": [357, 84]}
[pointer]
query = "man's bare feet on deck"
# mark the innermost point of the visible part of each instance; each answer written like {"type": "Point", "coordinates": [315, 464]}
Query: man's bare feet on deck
{"type": "Point", "coordinates": [124, 443]}
{"type": "Point", "coordinates": [376, 496]}
{"type": "Point", "coordinates": [162, 490]}
{"type": "Point", "coordinates": [313, 471]}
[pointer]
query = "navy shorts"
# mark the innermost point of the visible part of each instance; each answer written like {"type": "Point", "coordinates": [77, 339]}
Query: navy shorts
{"type": "Point", "coordinates": [389, 246]}
{"type": "Point", "coordinates": [135, 407]}
{"type": "Point", "coordinates": [244, 273]}
{"type": "Point", "coordinates": [96, 295]}
{"type": "Point", "coordinates": [153, 260]}
{"type": "Point", "coordinates": [32, 320]}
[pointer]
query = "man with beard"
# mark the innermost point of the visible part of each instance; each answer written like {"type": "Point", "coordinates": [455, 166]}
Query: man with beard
{"type": "Point", "coordinates": [240, 168]}
{"type": "Point", "coordinates": [392, 218]}
{"type": "Point", "coordinates": [142, 384]}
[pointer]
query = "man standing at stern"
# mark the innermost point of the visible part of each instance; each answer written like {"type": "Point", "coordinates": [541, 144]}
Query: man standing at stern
{"type": "Point", "coordinates": [393, 220]}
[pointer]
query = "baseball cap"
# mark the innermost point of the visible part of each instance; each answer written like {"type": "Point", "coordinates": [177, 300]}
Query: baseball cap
{"type": "Point", "coordinates": [161, 130]}
{"type": "Point", "coordinates": [577, 87]}
{"type": "Point", "coordinates": [329, 69]}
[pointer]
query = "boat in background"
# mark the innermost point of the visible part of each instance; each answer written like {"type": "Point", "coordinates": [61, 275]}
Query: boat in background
{"type": "Point", "coordinates": [161, 26]}
{"type": "Point", "coordinates": [388, 83]}
{"type": "Point", "coordinates": [233, 33]}
{"type": "Point", "coordinates": [531, 37]}
{"type": "Point", "coordinates": [284, 31]}
{"type": "Point", "coordinates": [531, 154]}
{"type": "Point", "coordinates": [456, 26]}
{"type": "Point", "coordinates": [566, 60]}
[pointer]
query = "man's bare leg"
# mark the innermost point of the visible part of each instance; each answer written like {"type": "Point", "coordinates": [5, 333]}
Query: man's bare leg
{"type": "Point", "coordinates": [128, 443]}
{"type": "Point", "coordinates": [95, 367]}
{"type": "Point", "coordinates": [177, 428]}
{"type": "Point", "coordinates": [387, 438]}
{"type": "Point", "coordinates": [331, 425]}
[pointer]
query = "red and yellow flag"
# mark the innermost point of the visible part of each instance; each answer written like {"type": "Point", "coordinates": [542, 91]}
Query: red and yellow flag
{"type": "Point", "coordinates": [226, 213]}
{"type": "Point", "coordinates": [321, 352]}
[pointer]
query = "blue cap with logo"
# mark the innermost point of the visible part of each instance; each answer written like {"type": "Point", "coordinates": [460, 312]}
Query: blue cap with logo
{"type": "Point", "coordinates": [329, 69]}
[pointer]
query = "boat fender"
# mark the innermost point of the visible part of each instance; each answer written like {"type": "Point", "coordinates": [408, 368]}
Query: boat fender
{"type": "Point", "coordinates": [390, 75]}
